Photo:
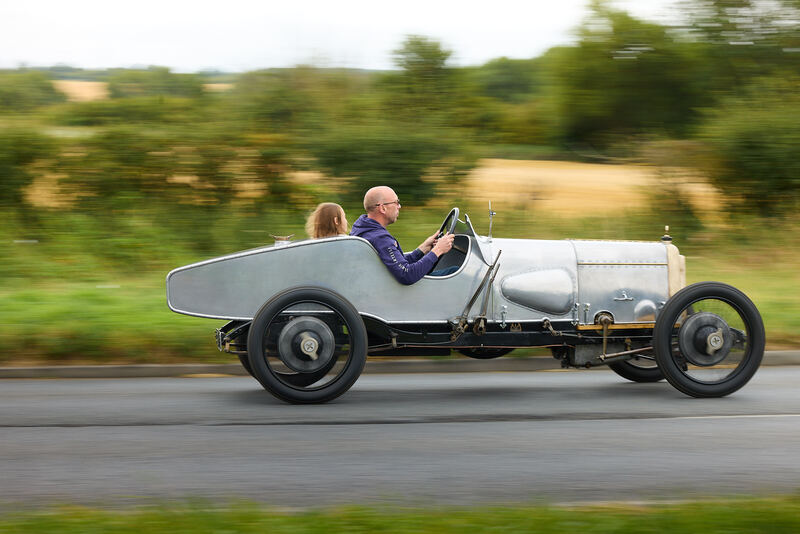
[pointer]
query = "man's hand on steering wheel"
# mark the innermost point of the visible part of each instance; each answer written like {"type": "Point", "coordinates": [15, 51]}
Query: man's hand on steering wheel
{"type": "Point", "coordinates": [444, 231]}
{"type": "Point", "coordinates": [443, 244]}
{"type": "Point", "coordinates": [427, 245]}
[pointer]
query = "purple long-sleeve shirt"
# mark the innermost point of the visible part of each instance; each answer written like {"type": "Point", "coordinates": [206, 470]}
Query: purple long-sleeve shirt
{"type": "Point", "coordinates": [406, 268]}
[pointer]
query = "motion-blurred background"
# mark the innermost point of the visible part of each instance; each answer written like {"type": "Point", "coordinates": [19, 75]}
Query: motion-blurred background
{"type": "Point", "coordinates": [111, 177]}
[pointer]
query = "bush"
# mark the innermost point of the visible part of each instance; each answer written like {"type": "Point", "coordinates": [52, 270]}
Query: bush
{"type": "Point", "coordinates": [155, 81]}
{"type": "Point", "coordinates": [409, 160]}
{"type": "Point", "coordinates": [26, 90]}
{"type": "Point", "coordinates": [755, 143]}
{"type": "Point", "coordinates": [146, 109]}
{"type": "Point", "coordinates": [277, 100]}
{"type": "Point", "coordinates": [18, 149]}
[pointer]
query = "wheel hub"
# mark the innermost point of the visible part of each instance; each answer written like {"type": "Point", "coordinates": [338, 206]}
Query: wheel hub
{"type": "Point", "coordinates": [705, 339]}
{"type": "Point", "coordinates": [306, 344]}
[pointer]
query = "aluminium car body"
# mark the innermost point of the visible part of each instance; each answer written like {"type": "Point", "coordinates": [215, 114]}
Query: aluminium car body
{"type": "Point", "coordinates": [296, 311]}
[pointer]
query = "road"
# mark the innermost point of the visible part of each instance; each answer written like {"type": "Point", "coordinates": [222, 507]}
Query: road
{"type": "Point", "coordinates": [402, 439]}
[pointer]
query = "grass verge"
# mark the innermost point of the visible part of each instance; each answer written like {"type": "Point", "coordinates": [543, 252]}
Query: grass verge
{"type": "Point", "coordinates": [769, 515]}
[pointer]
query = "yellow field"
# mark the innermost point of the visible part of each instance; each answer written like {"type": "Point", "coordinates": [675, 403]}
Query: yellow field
{"type": "Point", "coordinates": [562, 188]}
{"type": "Point", "coordinates": [217, 87]}
{"type": "Point", "coordinates": [82, 91]}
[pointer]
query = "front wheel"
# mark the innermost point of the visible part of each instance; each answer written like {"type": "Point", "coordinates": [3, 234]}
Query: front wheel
{"type": "Point", "coordinates": [709, 339]}
{"type": "Point", "coordinates": [307, 345]}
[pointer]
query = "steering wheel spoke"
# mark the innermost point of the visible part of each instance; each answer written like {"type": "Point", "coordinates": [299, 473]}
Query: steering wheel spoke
{"type": "Point", "coordinates": [449, 224]}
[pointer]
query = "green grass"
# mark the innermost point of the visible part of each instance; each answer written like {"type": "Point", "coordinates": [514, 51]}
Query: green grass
{"type": "Point", "coordinates": [750, 516]}
{"type": "Point", "coordinates": [119, 321]}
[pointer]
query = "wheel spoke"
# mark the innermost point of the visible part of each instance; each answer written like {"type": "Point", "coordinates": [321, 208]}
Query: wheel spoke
{"type": "Point", "coordinates": [306, 379]}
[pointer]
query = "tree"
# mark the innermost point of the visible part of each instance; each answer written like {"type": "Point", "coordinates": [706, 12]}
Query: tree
{"type": "Point", "coordinates": [624, 76]}
{"type": "Point", "coordinates": [19, 148]}
{"type": "Point", "coordinates": [425, 83]}
{"type": "Point", "coordinates": [155, 81]}
{"type": "Point", "coordinates": [509, 80]}
{"type": "Point", "coordinates": [755, 142]}
{"type": "Point", "coordinates": [26, 90]}
{"type": "Point", "coordinates": [278, 100]}
{"type": "Point", "coordinates": [122, 167]}
{"type": "Point", "coordinates": [742, 39]}
{"type": "Point", "coordinates": [410, 159]}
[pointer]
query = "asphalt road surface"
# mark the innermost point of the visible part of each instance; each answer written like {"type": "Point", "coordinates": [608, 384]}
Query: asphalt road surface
{"type": "Point", "coordinates": [400, 439]}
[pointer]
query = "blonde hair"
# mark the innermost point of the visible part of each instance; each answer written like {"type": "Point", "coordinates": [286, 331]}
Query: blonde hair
{"type": "Point", "coordinates": [327, 220]}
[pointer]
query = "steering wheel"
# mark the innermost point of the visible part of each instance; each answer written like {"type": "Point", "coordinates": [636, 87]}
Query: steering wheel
{"type": "Point", "coordinates": [449, 224]}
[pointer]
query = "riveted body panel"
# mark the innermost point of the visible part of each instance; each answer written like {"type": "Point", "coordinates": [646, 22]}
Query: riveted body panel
{"type": "Point", "coordinates": [536, 279]}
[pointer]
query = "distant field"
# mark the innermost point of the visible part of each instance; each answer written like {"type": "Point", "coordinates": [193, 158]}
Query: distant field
{"type": "Point", "coordinates": [580, 189]}
{"type": "Point", "coordinates": [83, 91]}
{"type": "Point", "coordinates": [562, 187]}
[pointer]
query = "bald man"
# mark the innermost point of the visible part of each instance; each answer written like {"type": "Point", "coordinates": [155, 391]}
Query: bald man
{"type": "Point", "coordinates": [383, 207]}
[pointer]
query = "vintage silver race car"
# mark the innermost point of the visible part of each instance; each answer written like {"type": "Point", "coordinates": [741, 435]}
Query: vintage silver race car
{"type": "Point", "coordinates": [304, 315]}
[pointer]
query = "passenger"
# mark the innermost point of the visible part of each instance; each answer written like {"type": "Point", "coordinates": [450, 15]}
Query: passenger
{"type": "Point", "coordinates": [383, 208]}
{"type": "Point", "coordinates": [327, 220]}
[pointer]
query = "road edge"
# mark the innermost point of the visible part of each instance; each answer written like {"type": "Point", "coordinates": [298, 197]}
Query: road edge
{"type": "Point", "coordinates": [374, 366]}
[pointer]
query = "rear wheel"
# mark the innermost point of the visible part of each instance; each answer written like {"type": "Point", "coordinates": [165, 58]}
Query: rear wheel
{"type": "Point", "coordinates": [638, 369]}
{"type": "Point", "coordinates": [709, 339]}
{"type": "Point", "coordinates": [307, 345]}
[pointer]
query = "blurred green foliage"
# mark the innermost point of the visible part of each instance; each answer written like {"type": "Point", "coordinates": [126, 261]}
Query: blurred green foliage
{"type": "Point", "coordinates": [143, 109]}
{"type": "Point", "coordinates": [413, 161]}
{"type": "Point", "coordinates": [24, 90]}
{"type": "Point", "coordinates": [424, 84]}
{"type": "Point", "coordinates": [155, 81]}
{"type": "Point", "coordinates": [509, 80]}
{"type": "Point", "coordinates": [166, 172]}
{"type": "Point", "coordinates": [754, 137]}
{"type": "Point", "coordinates": [776, 515]}
{"type": "Point", "coordinates": [19, 149]}
{"type": "Point", "coordinates": [625, 77]}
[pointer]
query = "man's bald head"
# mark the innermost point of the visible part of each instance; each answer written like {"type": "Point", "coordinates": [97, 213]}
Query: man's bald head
{"type": "Point", "coordinates": [382, 205]}
{"type": "Point", "coordinates": [376, 196]}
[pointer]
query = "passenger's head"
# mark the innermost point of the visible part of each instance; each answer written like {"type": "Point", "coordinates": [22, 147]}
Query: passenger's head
{"type": "Point", "coordinates": [382, 204]}
{"type": "Point", "coordinates": [327, 220]}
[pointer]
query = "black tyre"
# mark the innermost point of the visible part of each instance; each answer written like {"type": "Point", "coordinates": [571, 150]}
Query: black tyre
{"type": "Point", "coordinates": [484, 353]}
{"type": "Point", "coordinates": [307, 345]}
{"type": "Point", "coordinates": [243, 358]}
{"type": "Point", "coordinates": [638, 370]}
{"type": "Point", "coordinates": [709, 340]}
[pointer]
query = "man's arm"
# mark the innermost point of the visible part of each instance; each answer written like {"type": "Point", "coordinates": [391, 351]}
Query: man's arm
{"type": "Point", "coordinates": [405, 271]}
{"type": "Point", "coordinates": [415, 255]}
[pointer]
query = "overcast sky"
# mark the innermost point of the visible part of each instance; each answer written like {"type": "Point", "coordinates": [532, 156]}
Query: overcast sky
{"type": "Point", "coordinates": [240, 35]}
